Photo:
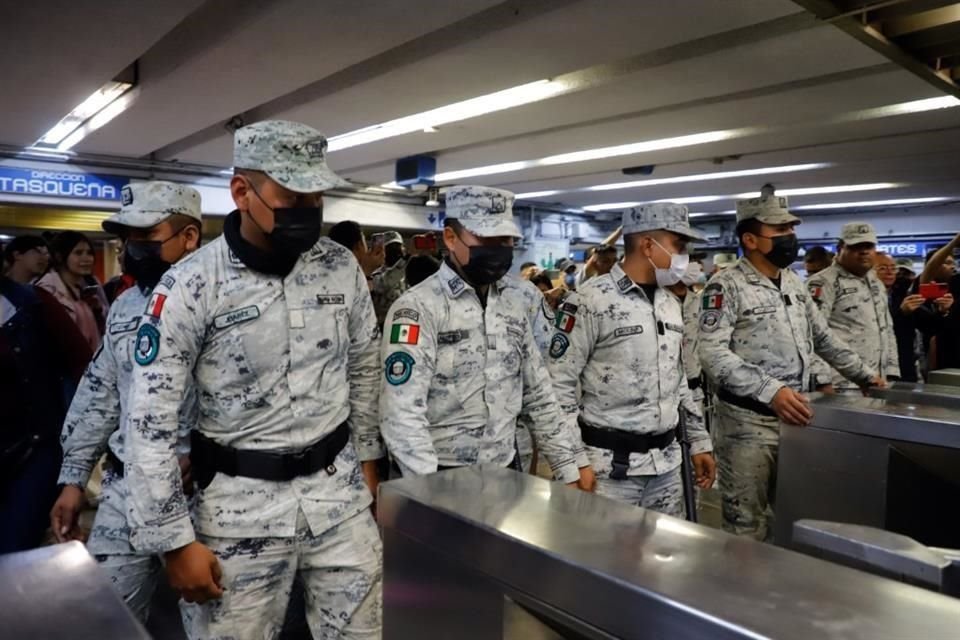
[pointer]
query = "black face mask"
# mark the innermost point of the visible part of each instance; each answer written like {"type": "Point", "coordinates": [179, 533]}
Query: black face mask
{"type": "Point", "coordinates": [487, 264]}
{"type": "Point", "coordinates": [784, 251]}
{"type": "Point", "coordinates": [295, 229]}
{"type": "Point", "coordinates": [141, 259]}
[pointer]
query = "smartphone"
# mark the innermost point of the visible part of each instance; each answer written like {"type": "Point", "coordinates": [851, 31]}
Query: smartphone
{"type": "Point", "coordinates": [425, 242]}
{"type": "Point", "coordinates": [377, 239]}
{"type": "Point", "coordinates": [933, 290]}
{"type": "Point", "coordinates": [89, 291]}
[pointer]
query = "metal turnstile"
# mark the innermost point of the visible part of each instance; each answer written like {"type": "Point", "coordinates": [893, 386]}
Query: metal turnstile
{"type": "Point", "coordinates": [872, 462]}
{"type": "Point", "coordinates": [60, 592]}
{"type": "Point", "coordinates": [946, 377]}
{"type": "Point", "coordinates": [935, 395]}
{"type": "Point", "coordinates": [482, 553]}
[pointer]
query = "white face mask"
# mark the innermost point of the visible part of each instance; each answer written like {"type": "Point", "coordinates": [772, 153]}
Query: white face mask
{"type": "Point", "coordinates": [693, 274]}
{"type": "Point", "coordinates": [678, 267]}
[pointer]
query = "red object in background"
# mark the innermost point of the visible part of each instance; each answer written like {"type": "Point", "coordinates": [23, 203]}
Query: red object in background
{"type": "Point", "coordinates": [425, 242]}
{"type": "Point", "coordinates": [933, 290]}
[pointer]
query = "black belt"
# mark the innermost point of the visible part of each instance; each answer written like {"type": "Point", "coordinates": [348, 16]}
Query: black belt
{"type": "Point", "coordinates": [114, 463]}
{"type": "Point", "coordinates": [623, 444]}
{"type": "Point", "coordinates": [208, 458]}
{"type": "Point", "coordinates": [694, 383]}
{"type": "Point", "coordinates": [746, 403]}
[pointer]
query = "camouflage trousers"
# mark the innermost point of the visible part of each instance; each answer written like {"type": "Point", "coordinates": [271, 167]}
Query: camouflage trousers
{"type": "Point", "coordinates": [746, 448]}
{"type": "Point", "coordinates": [662, 493]}
{"type": "Point", "coordinates": [340, 570]}
{"type": "Point", "coordinates": [133, 575]}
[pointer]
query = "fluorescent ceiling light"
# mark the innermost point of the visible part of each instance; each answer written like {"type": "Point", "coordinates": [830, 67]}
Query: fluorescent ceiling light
{"type": "Point", "coordinates": [594, 154]}
{"type": "Point", "coordinates": [97, 102]}
{"type": "Point", "coordinates": [464, 110]}
{"type": "Point", "coordinates": [902, 108]}
{"type": "Point", "coordinates": [536, 194]}
{"type": "Point", "coordinates": [701, 214]}
{"type": "Point", "coordinates": [101, 118]}
{"type": "Point", "coordinates": [870, 203]}
{"type": "Point", "coordinates": [703, 177]}
{"type": "Point", "coordinates": [627, 205]}
{"type": "Point", "coordinates": [819, 191]}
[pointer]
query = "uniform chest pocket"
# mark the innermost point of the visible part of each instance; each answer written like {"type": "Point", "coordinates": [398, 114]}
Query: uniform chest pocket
{"type": "Point", "coordinates": [322, 327]}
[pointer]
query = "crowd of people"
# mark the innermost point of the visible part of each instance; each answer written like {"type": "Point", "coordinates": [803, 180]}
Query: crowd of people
{"type": "Point", "coordinates": [246, 397]}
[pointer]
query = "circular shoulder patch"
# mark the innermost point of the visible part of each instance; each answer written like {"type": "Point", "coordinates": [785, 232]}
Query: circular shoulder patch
{"type": "Point", "coordinates": [398, 368]}
{"type": "Point", "coordinates": [147, 346]}
{"type": "Point", "coordinates": [709, 320]}
{"type": "Point", "coordinates": [559, 345]}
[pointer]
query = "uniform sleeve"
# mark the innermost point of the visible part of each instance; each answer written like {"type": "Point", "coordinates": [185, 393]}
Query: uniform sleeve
{"type": "Point", "coordinates": [168, 343]}
{"type": "Point", "coordinates": [567, 357]}
{"type": "Point", "coordinates": [823, 292]}
{"type": "Point", "coordinates": [364, 374]}
{"type": "Point", "coordinates": [93, 416]}
{"type": "Point", "coordinates": [691, 360]}
{"type": "Point", "coordinates": [891, 366]}
{"type": "Point", "coordinates": [554, 438]}
{"type": "Point", "coordinates": [408, 367]}
{"type": "Point", "coordinates": [189, 414]}
{"type": "Point", "coordinates": [697, 435]}
{"type": "Point", "coordinates": [834, 351]}
{"type": "Point", "coordinates": [718, 318]}
{"type": "Point", "coordinates": [541, 324]}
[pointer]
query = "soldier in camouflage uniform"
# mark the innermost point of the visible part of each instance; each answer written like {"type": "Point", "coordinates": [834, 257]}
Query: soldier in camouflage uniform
{"type": "Point", "coordinates": [460, 360]}
{"type": "Point", "coordinates": [855, 305]}
{"type": "Point", "coordinates": [759, 331]}
{"type": "Point", "coordinates": [389, 281]}
{"type": "Point", "coordinates": [160, 223]}
{"type": "Point", "coordinates": [276, 327]}
{"type": "Point", "coordinates": [620, 337]}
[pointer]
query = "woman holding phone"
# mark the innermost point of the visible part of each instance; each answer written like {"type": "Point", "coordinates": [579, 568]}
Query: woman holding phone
{"type": "Point", "coordinates": [72, 283]}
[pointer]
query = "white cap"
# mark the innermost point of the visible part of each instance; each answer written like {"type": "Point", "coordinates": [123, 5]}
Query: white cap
{"type": "Point", "coordinates": [858, 233]}
{"type": "Point", "coordinates": [147, 204]}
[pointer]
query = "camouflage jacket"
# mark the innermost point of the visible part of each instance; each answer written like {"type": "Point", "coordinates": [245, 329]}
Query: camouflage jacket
{"type": "Point", "coordinates": [458, 374]}
{"type": "Point", "coordinates": [388, 284]}
{"type": "Point", "coordinates": [279, 363]}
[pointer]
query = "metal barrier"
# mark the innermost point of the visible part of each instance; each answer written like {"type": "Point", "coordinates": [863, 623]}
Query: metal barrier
{"type": "Point", "coordinates": [871, 462]}
{"type": "Point", "coordinates": [59, 592]}
{"type": "Point", "coordinates": [482, 553]}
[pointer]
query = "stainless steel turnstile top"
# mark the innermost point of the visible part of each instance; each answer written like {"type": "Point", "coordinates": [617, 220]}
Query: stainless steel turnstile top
{"type": "Point", "coordinates": [919, 423]}
{"type": "Point", "coordinates": [635, 573]}
{"type": "Point", "coordinates": [919, 393]}
{"type": "Point", "coordinates": [60, 592]}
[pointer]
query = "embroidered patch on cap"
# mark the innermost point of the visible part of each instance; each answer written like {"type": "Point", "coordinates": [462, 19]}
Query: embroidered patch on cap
{"type": "Point", "coordinates": [398, 367]}
{"type": "Point", "coordinates": [405, 334]}
{"type": "Point", "coordinates": [147, 346]}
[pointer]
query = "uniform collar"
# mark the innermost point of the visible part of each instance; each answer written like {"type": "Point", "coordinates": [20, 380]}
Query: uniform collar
{"type": "Point", "coordinates": [752, 275]}
{"type": "Point", "coordinates": [453, 283]}
{"type": "Point", "coordinates": [245, 255]}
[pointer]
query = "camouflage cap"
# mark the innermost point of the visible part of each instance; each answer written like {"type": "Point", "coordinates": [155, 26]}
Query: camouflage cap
{"type": "Point", "coordinates": [147, 204]}
{"type": "Point", "coordinates": [858, 233]}
{"type": "Point", "coordinates": [657, 216]}
{"type": "Point", "coordinates": [292, 154]}
{"type": "Point", "coordinates": [390, 237]}
{"type": "Point", "coordinates": [723, 260]}
{"type": "Point", "coordinates": [768, 209]}
{"type": "Point", "coordinates": [483, 211]}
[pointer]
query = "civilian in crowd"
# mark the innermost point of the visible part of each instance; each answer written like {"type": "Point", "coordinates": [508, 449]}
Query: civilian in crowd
{"type": "Point", "coordinates": [600, 262]}
{"type": "Point", "coordinates": [349, 234]}
{"type": "Point", "coordinates": [886, 270]}
{"type": "Point", "coordinates": [553, 295]}
{"type": "Point", "coordinates": [419, 268]}
{"type": "Point", "coordinates": [42, 356]}
{"type": "Point", "coordinates": [27, 259]}
{"type": "Point", "coordinates": [817, 259]}
{"type": "Point", "coordinates": [72, 283]}
{"type": "Point", "coordinates": [941, 268]}
{"type": "Point", "coordinates": [528, 270]}
{"type": "Point", "coordinates": [118, 284]}
{"type": "Point", "coordinates": [568, 272]}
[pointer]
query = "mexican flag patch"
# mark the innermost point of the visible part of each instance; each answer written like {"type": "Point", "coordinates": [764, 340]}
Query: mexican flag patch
{"type": "Point", "coordinates": [405, 334]}
{"type": "Point", "coordinates": [565, 322]}
{"type": "Point", "coordinates": [712, 300]}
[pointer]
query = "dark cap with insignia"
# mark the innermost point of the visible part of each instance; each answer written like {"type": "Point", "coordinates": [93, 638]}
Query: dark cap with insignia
{"type": "Point", "coordinates": [292, 154]}
{"type": "Point", "coordinates": [657, 216]}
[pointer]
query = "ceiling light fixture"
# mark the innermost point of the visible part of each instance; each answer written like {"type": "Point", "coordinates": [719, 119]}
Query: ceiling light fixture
{"type": "Point", "coordinates": [819, 191]}
{"type": "Point", "coordinates": [433, 197]}
{"type": "Point", "coordinates": [870, 203]}
{"type": "Point", "coordinates": [464, 110]}
{"type": "Point", "coordinates": [700, 177]}
{"type": "Point", "coordinates": [100, 107]}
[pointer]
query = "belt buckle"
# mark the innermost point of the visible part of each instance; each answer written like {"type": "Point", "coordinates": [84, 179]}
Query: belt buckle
{"type": "Point", "coordinates": [619, 471]}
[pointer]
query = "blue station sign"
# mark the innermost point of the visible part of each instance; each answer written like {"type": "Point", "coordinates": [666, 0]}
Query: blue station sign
{"type": "Point", "coordinates": [60, 184]}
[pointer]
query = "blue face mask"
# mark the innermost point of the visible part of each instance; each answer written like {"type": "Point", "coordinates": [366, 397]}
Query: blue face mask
{"type": "Point", "coordinates": [570, 280]}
